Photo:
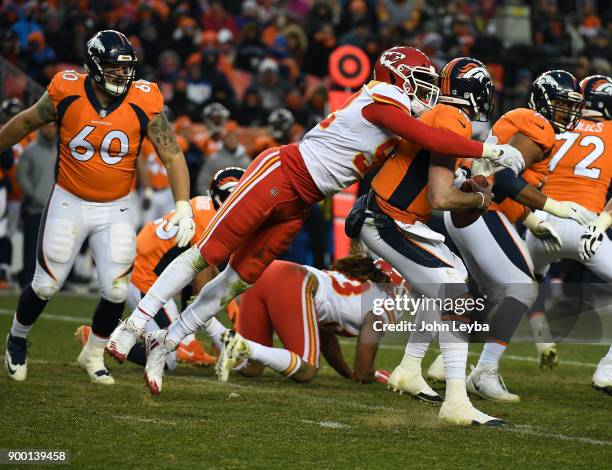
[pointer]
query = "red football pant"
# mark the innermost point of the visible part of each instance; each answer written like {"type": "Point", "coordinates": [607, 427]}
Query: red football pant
{"type": "Point", "coordinates": [282, 300]}
{"type": "Point", "coordinates": [257, 222]}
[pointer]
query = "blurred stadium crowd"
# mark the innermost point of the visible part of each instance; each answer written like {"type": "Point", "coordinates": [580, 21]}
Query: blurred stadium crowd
{"type": "Point", "coordinates": [239, 76]}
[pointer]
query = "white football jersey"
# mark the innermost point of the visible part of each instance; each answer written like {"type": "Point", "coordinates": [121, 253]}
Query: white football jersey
{"type": "Point", "coordinates": [342, 302]}
{"type": "Point", "coordinates": [344, 146]}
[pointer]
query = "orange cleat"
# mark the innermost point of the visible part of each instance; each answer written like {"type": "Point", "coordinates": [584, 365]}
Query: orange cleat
{"type": "Point", "coordinates": [194, 354]}
{"type": "Point", "coordinates": [82, 334]}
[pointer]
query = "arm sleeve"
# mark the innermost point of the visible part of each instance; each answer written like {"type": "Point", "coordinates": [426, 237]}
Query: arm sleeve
{"type": "Point", "coordinates": [507, 184]}
{"type": "Point", "coordinates": [438, 141]}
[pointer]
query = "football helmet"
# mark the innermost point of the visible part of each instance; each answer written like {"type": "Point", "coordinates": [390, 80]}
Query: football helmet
{"type": "Point", "coordinates": [467, 82]}
{"type": "Point", "coordinates": [9, 108]}
{"type": "Point", "coordinates": [110, 61]}
{"type": "Point", "coordinates": [280, 122]}
{"type": "Point", "coordinates": [412, 71]}
{"type": "Point", "coordinates": [223, 183]}
{"type": "Point", "coordinates": [556, 95]}
{"type": "Point", "coordinates": [215, 117]}
{"type": "Point", "coordinates": [597, 92]}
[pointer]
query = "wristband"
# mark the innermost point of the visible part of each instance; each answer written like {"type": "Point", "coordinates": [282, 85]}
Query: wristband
{"type": "Point", "coordinates": [482, 204]}
{"type": "Point", "coordinates": [603, 221]}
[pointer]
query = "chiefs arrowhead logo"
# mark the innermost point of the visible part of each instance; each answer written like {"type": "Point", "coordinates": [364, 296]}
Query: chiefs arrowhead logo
{"type": "Point", "coordinates": [391, 57]}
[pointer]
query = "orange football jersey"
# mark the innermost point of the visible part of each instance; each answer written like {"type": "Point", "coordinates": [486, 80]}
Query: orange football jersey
{"type": "Point", "coordinates": [580, 169]}
{"type": "Point", "coordinates": [98, 147]}
{"type": "Point", "coordinates": [539, 130]}
{"type": "Point", "coordinates": [158, 177]}
{"type": "Point", "coordinates": [156, 246]}
{"type": "Point", "coordinates": [401, 183]}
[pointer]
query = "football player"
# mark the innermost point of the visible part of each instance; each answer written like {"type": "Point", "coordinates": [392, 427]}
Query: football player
{"type": "Point", "coordinates": [307, 308]}
{"type": "Point", "coordinates": [404, 192]}
{"type": "Point", "coordinates": [156, 248]}
{"type": "Point", "coordinates": [102, 117]}
{"type": "Point", "coordinates": [258, 222]}
{"type": "Point", "coordinates": [580, 170]}
{"type": "Point", "coordinates": [494, 253]}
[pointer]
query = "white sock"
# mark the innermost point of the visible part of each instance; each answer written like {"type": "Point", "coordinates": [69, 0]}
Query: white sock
{"type": "Point", "coordinates": [455, 390]}
{"type": "Point", "coordinates": [454, 348]}
{"type": "Point", "coordinates": [540, 328]}
{"type": "Point", "coordinates": [95, 345]}
{"type": "Point", "coordinates": [281, 360]}
{"type": "Point", "coordinates": [152, 326]}
{"type": "Point", "coordinates": [214, 328]}
{"type": "Point", "coordinates": [18, 330]}
{"type": "Point", "coordinates": [491, 354]}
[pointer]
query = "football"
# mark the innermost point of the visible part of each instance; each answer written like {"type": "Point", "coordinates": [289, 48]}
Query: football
{"type": "Point", "coordinates": [463, 217]}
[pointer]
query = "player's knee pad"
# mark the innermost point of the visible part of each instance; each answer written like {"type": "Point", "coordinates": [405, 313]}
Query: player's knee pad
{"type": "Point", "coordinates": [115, 293]}
{"type": "Point", "coordinates": [525, 293]}
{"type": "Point", "coordinates": [122, 243]}
{"type": "Point", "coordinates": [59, 240]}
{"type": "Point", "coordinates": [44, 288]}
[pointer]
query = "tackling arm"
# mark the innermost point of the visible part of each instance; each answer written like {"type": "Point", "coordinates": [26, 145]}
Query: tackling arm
{"type": "Point", "coordinates": [27, 121]}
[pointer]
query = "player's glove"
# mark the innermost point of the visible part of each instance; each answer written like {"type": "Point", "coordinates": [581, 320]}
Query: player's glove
{"type": "Point", "coordinates": [568, 210]}
{"type": "Point", "coordinates": [381, 376]}
{"type": "Point", "coordinates": [502, 156]}
{"type": "Point", "coordinates": [183, 217]}
{"type": "Point", "coordinates": [544, 232]}
{"type": "Point", "coordinates": [147, 198]}
{"type": "Point", "coordinates": [593, 235]}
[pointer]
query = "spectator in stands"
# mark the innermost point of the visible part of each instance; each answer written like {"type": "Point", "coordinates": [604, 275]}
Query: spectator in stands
{"type": "Point", "coordinates": [186, 37]}
{"type": "Point", "coordinates": [320, 46]}
{"type": "Point", "coordinates": [270, 85]}
{"type": "Point", "coordinates": [26, 24]}
{"type": "Point", "coordinates": [251, 50]}
{"type": "Point", "coordinates": [36, 176]}
{"type": "Point", "coordinates": [232, 153]}
{"type": "Point", "coordinates": [251, 113]}
{"type": "Point", "coordinates": [248, 15]}
{"type": "Point", "coordinates": [10, 46]}
{"type": "Point", "coordinates": [38, 54]}
{"type": "Point", "coordinates": [316, 107]}
{"type": "Point", "coordinates": [582, 68]}
{"type": "Point", "coordinates": [216, 18]}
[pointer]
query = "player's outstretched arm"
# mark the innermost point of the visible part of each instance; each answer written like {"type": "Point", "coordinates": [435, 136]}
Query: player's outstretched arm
{"type": "Point", "coordinates": [440, 141]}
{"type": "Point", "coordinates": [27, 121]}
{"type": "Point", "coordinates": [162, 136]}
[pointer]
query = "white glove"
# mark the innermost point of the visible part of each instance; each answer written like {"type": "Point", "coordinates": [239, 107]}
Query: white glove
{"type": "Point", "coordinates": [460, 177]}
{"type": "Point", "coordinates": [183, 217]}
{"type": "Point", "coordinates": [568, 210]}
{"type": "Point", "coordinates": [482, 167]}
{"type": "Point", "coordinates": [593, 235]}
{"type": "Point", "coordinates": [544, 232]}
{"type": "Point", "coordinates": [502, 155]}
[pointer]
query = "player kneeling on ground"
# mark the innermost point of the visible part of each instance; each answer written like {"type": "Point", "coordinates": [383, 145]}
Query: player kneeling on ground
{"type": "Point", "coordinates": [307, 308]}
{"type": "Point", "coordinates": [155, 250]}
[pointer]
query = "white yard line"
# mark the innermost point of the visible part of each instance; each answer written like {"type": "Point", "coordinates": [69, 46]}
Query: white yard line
{"type": "Point", "coordinates": [525, 429]}
{"type": "Point", "coordinates": [140, 419]}
{"type": "Point", "coordinates": [327, 424]}
{"type": "Point", "coordinates": [49, 316]}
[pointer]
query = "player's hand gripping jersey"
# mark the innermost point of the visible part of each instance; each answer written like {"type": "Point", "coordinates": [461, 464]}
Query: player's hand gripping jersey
{"type": "Point", "coordinates": [539, 130]}
{"type": "Point", "coordinates": [580, 169]}
{"type": "Point", "coordinates": [98, 147]}
{"type": "Point", "coordinates": [401, 185]}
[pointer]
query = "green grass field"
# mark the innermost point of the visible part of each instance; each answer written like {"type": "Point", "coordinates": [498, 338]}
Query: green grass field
{"type": "Point", "coordinates": [273, 422]}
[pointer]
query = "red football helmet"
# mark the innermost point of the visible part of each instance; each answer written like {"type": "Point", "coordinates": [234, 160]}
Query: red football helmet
{"type": "Point", "coordinates": [411, 70]}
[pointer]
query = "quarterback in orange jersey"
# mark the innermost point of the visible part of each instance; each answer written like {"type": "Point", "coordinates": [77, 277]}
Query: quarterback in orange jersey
{"type": "Point", "coordinates": [406, 189]}
{"type": "Point", "coordinates": [102, 118]}
{"type": "Point", "coordinates": [260, 219]}
{"type": "Point", "coordinates": [313, 308]}
{"type": "Point", "coordinates": [494, 253]}
{"type": "Point", "coordinates": [580, 170]}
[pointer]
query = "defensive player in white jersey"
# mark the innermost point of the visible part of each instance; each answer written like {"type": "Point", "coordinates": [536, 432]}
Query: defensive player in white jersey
{"type": "Point", "coordinates": [102, 118]}
{"type": "Point", "coordinates": [313, 308]}
{"type": "Point", "coordinates": [260, 219]}
{"type": "Point", "coordinates": [580, 170]}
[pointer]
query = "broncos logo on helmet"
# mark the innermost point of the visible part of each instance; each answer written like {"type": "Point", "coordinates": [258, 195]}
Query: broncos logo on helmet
{"type": "Point", "coordinates": [223, 183]}
{"type": "Point", "coordinates": [597, 91]}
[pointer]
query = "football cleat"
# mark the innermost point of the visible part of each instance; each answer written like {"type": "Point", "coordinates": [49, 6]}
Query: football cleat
{"type": "Point", "coordinates": [235, 350]}
{"type": "Point", "coordinates": [16, 357]}
{"type": "Point", "coordinates": [487, 382]}
{"type": "Point", "coordinates": [602, 378]}
{"type": "Point", "coordinates": [157, 349]}
{"type": "Point", "coordinates": [435, 372]}
{"type": "Point", "coordinates": [123, 339]}
{"type": "Point", "coordinates": [404, 380]}
{"type": "Point", "coordinates": [194, 354]}
{"type": "Point", "coordinates": [93, 364]}
{"type": "Point", "coordinates": [463, 413]}
{"type": "Point", "coordinates": [549, 358]}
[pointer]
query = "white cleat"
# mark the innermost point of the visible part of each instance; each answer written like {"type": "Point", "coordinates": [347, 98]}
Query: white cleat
{"type": "Point", "coordinates": [486, 382]}
{"type": "Point", "coordinates": [123, 339]}
{"type": "Point", "coordinates": [435, 372]}
{"type": "Point", "coordinates": [463, 413]}
{"type": "Point", "coordinates": [404, 380]}
{"type": "Point", "coordinates": [16, 358]}
{"type": "Point", "coordinates": [549, 358]}
{"type": "Point", "coordinates": [157, 349]}
{"type": "Point", "coordinates": [235, 350]}
{"type": "Point", "coordinates": [602, 378]}
{"type": "Point", "coordinates": [94, 366]}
